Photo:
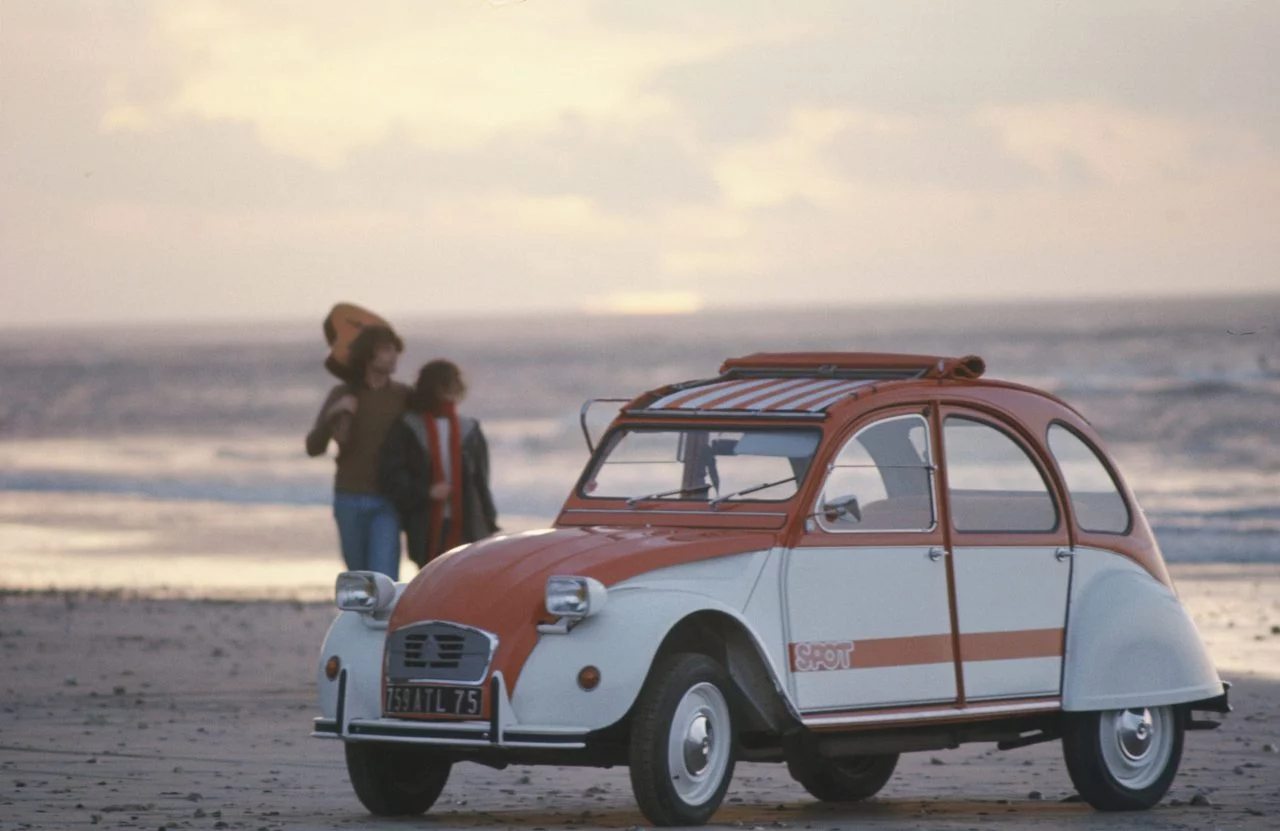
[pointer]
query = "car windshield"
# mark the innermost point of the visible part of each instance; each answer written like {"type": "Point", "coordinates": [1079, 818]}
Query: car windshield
{"type": "Point", "coordinates": [705, 464]}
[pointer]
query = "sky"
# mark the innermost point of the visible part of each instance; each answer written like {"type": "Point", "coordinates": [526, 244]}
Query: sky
{"type": "Point", "coordinates": [211, 160]}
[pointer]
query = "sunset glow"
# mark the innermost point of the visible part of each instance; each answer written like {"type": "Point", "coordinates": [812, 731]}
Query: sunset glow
{"type": "Point", "coordinates": [222, 159]}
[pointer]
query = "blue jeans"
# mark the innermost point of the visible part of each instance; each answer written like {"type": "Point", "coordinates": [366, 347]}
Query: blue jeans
{"type": "Point", "coordinates": [369, 531]}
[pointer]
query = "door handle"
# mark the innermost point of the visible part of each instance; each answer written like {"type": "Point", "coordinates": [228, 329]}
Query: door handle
{"type": "Point", "coordinates": [937, 553]}
{"type": "Point", "coordinates": [1063, 554]}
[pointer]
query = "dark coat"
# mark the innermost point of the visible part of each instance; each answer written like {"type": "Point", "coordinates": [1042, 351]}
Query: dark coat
{"type": "Point", "coordinates": [404, 477]}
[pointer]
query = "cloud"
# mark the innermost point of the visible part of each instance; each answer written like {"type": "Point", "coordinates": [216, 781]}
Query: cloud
{"type": "Point", "coordinates": [329, 78]}
{"type": "Point", "coordinates": [223, 159]}
{"type": "Point", "coordinates": [1195, 60]}
{"type": "Point", "coordinates": [1117, 146]}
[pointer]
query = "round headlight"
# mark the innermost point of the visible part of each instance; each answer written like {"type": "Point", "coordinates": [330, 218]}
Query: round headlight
{"type": "Point", "coordinates": [364, 591]}
{"type": "Point", "coordinates": [575, 597]}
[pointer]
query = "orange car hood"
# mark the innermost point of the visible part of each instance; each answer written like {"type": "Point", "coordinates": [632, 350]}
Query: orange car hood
{"type": "Point", "coordinates": [499, 584]}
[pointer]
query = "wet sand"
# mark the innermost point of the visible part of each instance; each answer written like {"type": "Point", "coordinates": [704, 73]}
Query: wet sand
{"type": "Point", "coordinates": [122, 712]}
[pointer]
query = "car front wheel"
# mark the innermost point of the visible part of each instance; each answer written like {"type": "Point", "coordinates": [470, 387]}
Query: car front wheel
{"type": "Point", "coordinates": [843, 780]}
{"type": "Point", "coordinates": [682, 741]}
{"type": "Point", "coordinates": [1123, 760]}
{"type": "Point", "coordinates": [395, 780]}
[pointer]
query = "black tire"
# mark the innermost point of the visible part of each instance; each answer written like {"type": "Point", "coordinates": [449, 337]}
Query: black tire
{"type": "Point", "coordinates": [682, 750]}
{"type": "Point", "coordinates": [850, 779]}
{"type": "Point", "coordinates": [396, 780]}
{"type": "Point", "coordinates": [1123, 760]}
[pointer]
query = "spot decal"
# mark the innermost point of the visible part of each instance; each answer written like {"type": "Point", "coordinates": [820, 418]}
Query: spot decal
{"type": "Point", "coordinates": [822, 656]}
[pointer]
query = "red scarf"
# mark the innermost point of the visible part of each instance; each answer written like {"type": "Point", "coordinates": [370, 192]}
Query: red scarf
{"type": "Point", "coordinates": [454, 538]}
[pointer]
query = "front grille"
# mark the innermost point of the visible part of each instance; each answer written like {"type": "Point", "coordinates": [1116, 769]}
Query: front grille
{"type": "Point", "coordinates": [423, 650]}
{"type": "Point", "coordinates": [438, 651]}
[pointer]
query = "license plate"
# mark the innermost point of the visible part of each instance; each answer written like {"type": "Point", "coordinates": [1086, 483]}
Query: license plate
{"type": "Point", "coordinates": [427, 700]}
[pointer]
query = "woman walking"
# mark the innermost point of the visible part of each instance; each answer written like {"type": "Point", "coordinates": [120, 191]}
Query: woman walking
{"type": "Point", "coordinates": [434, 467]}
{"type": "Point", "coordinates": [357, 414]}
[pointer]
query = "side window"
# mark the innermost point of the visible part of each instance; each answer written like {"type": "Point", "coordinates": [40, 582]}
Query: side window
{"type": "Point", "coordinates": [1095, 499]}
{"type": "Point", "coordinates": [882, 480]}
{"type": "Point", "coordinates": [640, 461]}
{"type": "Point", "coordinates": [994, 485]}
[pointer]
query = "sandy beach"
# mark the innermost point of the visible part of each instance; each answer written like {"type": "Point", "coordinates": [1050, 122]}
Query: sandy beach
{"type": "Point", "coordinates": [142, 712]}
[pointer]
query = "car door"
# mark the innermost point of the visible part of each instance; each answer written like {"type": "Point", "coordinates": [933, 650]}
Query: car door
{"type": "Point", "coordinates": [1010, 554]}
{"type": "Point", "coordinates": [866, 601]}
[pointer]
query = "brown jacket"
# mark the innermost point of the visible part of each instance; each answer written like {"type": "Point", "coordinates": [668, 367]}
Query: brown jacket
{"type": "Point", "coordinates": [376, 411]}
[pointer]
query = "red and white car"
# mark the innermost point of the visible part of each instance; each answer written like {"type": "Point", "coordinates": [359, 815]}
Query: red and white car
{"type": "Point", "coordinates": [824, 560]}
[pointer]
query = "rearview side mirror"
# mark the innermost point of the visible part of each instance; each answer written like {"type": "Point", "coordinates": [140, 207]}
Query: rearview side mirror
{"type": "Point", "coordinates": [844, 506]}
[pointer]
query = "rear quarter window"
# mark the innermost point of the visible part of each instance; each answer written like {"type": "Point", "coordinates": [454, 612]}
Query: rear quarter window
{"type": "Point", "coordinates": [1095, 497]}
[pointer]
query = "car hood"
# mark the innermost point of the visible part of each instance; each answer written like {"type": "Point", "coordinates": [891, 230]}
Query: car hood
{"type": "Point", "coordinates": [499, 584]}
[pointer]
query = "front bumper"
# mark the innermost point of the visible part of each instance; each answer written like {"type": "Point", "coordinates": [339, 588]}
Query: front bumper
{"type": "Point", "coordinates": [460, 734]}
{"type": "Point", "coordinates": [499, 731]}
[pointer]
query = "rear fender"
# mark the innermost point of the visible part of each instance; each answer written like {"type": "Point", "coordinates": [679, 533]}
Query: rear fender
{"type": "Point", "coordinates": [1130, 642]}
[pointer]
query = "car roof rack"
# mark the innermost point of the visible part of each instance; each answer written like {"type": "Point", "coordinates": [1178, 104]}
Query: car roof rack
{"type": "Point", "coordinates": [860, 365]}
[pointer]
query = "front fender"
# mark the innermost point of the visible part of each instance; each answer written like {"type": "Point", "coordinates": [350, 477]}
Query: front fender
{"type": "Point", "coordinates": [1130, 642]}
{"type": "Point", "coordinates": [358, 642]}
{"type": "Point", "coordinates": [621, 642]}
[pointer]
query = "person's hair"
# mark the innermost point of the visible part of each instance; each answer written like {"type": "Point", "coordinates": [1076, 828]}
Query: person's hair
{"type": "Point", "coordinates": [435, 379]}
{"type": "Point", "coordinates": [365, 346]}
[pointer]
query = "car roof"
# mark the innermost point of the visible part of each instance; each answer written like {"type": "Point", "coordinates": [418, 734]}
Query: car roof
{"type": "Point", "coordinates": [811, 385]}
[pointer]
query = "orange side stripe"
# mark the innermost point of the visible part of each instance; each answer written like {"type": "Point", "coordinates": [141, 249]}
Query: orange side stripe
{"type": "Point", "coordinates": [877, 653]}
{"type": "Point", "coordinates": [1005, 646]}
{"type": "Point", "coordinates": [893, 652]}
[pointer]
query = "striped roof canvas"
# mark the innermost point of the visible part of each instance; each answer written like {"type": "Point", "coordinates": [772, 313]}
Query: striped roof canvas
{"type": "Point", "coordinates": [785, 395]}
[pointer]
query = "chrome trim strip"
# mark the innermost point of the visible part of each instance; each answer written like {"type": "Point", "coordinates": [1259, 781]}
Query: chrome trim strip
{"type": "Point", "coordinates": [950, 712]}
{"type": "Point", "coordinates": [461, 734]}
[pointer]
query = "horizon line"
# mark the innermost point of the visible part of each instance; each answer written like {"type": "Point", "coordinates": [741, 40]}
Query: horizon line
{"type": "Point", "coordinates": [410, 319]}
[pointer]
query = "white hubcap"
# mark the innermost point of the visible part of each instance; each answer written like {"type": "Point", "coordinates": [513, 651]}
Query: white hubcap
{"type": "Point", "coordinates": [699, 743]}
{"type": "Point", "coordinates": [1136, 744]}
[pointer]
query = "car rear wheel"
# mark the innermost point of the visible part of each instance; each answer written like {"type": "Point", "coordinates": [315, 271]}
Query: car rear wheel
{"type": "Point", "coordinates": [850, 779]}
{"type": "Point", "coordinates": [1123, 760]}
{"type": "Point", "coordinates": [395, 780]}
{"type": "Point", "coordinates": [682, 741]}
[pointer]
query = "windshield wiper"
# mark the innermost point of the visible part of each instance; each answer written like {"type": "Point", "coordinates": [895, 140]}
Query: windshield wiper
{"type": "Point", "coordinates": [715, 503]}
{"type": "Point", "coordinates": [633, 501]}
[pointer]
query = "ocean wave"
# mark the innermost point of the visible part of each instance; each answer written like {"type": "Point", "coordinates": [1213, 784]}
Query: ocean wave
{"type": "Point", "coordinates": [234, 492]}
{"type": "Point", "coordinates": [1188, 407]}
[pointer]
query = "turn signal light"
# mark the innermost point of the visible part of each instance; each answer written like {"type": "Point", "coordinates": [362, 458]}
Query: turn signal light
{"type": "Point", "coordinates": [332, 667]}
{"type": "Point", "coordinates": [589, 678]}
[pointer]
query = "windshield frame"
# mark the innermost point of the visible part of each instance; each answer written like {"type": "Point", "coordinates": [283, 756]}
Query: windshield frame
{"type": "Point", "coordinates": [702, 500]}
